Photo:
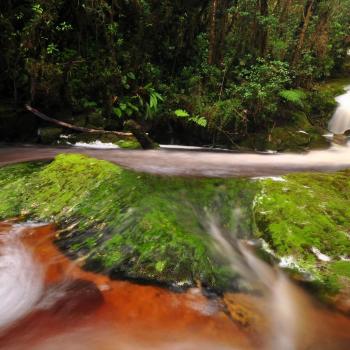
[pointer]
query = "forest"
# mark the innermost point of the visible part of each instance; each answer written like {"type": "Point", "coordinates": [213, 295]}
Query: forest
{"type": "Point", "coordinates": [174, 175]}
{"type": "Point", "coordinates": [239, 74]}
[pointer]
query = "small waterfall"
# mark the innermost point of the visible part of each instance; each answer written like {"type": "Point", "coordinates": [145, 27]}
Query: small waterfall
{"type": "Point", "coordinates": [340, 122]}
{"type": "Point", "coordinates": [284, 300]}
{"type": "Point", "coordinates": [21, 278]}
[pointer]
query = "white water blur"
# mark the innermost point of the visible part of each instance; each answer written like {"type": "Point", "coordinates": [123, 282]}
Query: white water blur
{"type": "Point", "coordinates": [95, 145]}
{"type": "Point", "coordinates": [21, 278]}
{"type": "Point", "coordinates": [285, 303]}
{"type": "Point", "coordinates": [340, 121]}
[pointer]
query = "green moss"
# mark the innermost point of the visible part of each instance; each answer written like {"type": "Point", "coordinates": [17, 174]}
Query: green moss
{"type": "Point", "coordinates": [296, 134]}
{"type": "Point", "coordinates": [341, 268]}
{"type": "Point", "coordinates": [14, 183]}
{"type": "Point", "coordinates": [129, 224]}
{"type": "Point", "coordinates": [129, 144]}
{"type": "Point", "coordinates": [307, 211]}
{"type": "Point", "coordinates": [333, 86]}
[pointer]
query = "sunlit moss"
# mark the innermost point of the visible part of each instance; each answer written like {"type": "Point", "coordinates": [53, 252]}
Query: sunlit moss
{"type": "Point", "coordinates": [304, 212]}
{"type": "Point", "coordinates": [134, 225]}
{"type": "Point", "coordinates": [14, 184]}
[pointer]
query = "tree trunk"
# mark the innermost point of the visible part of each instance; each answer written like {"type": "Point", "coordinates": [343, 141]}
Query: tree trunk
{"type": "Point", "coordinates": [74, 127]}
{"type": "Point", "coordinates": [263, 35]}
{"type": "Point", "coordinates": [307, 15]}
{"type": "Point", "coordinates": [222, 25]}
{"type": "Point", "coordinates": [212, 34]}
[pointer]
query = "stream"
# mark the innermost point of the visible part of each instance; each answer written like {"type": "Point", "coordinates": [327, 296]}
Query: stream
{"type": "Point", "coordinates": [48, 302]}
{"type": "Point", "coordinates": [189, 163]}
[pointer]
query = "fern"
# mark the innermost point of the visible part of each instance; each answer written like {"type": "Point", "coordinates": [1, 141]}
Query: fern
{"type": "Point", "coordinates": [293, 96]}
{"type": "Point", "coordinates": [200, 121]}
{"type": "Point", "coordinates": [181, 113]}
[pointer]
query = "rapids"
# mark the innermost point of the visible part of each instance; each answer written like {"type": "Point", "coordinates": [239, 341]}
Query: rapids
{"type": "Point", "coordinates": [340, 121]}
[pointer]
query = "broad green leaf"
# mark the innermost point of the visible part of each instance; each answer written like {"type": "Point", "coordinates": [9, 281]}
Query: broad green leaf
{"type": "Point", "coordinates": [181, 113]}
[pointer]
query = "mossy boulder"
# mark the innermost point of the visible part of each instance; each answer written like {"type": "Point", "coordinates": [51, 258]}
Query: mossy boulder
{"type": "Point", "coordinates": [283, 139]}
{"type": "Point", "coordinates": [129, 225]}
{"type": "Point", "coordinates": [287, 139]}
{"type": "Point", "coordinates": [293, 139]}
{"type": "Point", "coordinates": [295, 135]}
{"type": "Point", "coordinates": [49, 135]}
{"type": "Point", "coordinates": [305, 218]}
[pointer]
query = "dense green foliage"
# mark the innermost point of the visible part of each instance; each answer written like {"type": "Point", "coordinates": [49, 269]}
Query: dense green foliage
{"type": "Point", "coordinates": [231, 67]}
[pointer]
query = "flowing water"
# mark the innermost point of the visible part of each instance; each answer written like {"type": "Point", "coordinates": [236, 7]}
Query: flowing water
{"type": "Point", "coordinates": [47, 302]}
{"type": "Point", "coordinates": [340, 121]}
{"type": "Point", "coordinates": [189, 163]}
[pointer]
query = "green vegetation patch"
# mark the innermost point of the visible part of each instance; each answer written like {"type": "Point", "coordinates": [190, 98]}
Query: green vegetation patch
{"type": "Point", "coordinates": [14, 184]}
{"type": "Point", "coordinates": [306, 214]}
{"type": "Point", "coordinates": [138, 226]}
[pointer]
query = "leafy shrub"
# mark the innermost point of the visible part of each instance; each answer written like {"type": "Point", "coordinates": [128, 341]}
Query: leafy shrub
{"type": "Point", "coordinates": [294, 96]}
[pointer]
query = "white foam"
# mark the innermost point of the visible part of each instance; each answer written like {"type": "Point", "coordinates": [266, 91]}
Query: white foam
{"type": "Point", "coordinates": [21, 278]}
{"type": "Point", "coordinates": [193, 148]}
{"type": "Point", "coordinates": [96, 145]}
{"type": "Point", "coordinates": [273, 178]}
{"type": "Point", "coordinates": [340, 121]}
{"type": "Point", "coordinates": [180, 147]}
{"type": "Point", "coordinates": [320, 256]}
{"type": "Point", "coordinates": [287, 262]}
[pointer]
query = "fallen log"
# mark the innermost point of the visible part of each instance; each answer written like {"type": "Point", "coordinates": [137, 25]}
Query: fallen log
{"type": "Point", "coordinates": [74, 127]}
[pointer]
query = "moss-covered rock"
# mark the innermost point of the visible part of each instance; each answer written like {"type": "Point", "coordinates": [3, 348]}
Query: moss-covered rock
{"type": "Point", "coordinates": [306, 218]}
{"type": "Point", "coordinates": [291, 139]}
{"type": "Point", "coordinates": [288, 138]}
{"type": "Point", "coordinates": [153, 228]}
{"type": "Point", "coordinates": [130, 225]}
{"type": "Point", "coordinates": [130, 143]}
{"type": "Point", "coordinates": [49, 135]}
{"type": "Point", "coordinates": [13, 187]}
